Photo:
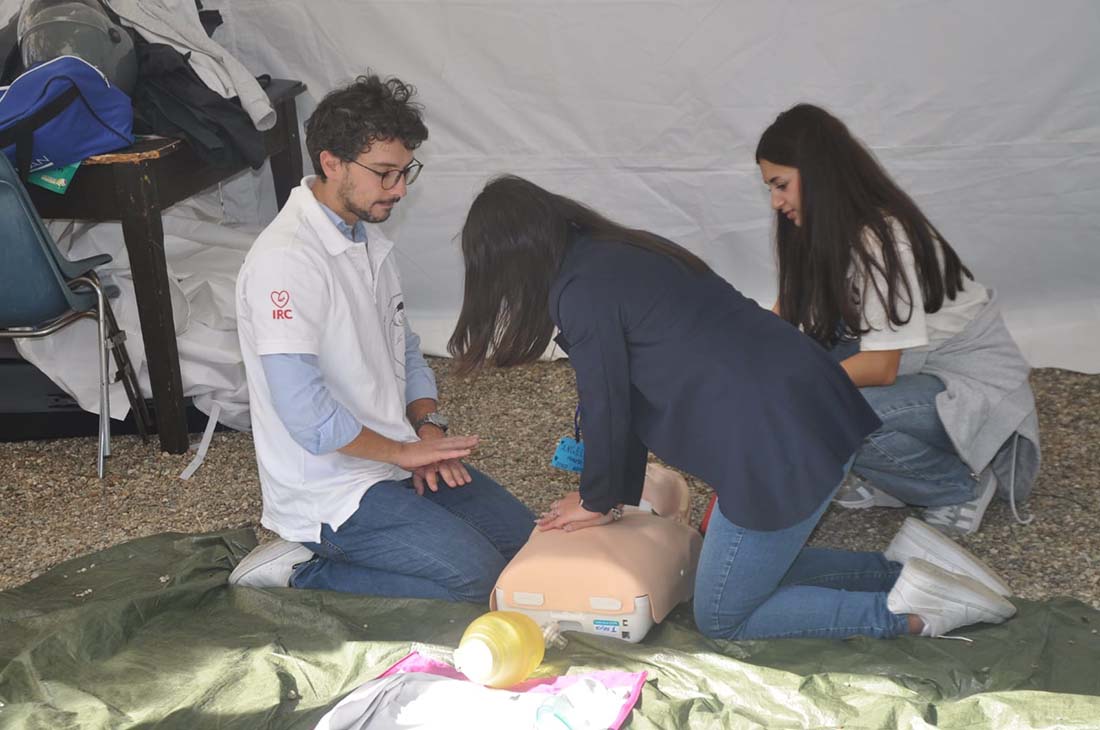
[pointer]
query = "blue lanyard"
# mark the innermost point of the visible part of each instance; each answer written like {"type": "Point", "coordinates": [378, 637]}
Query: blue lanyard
{"type": "Point", "coordinates": [577, 423]}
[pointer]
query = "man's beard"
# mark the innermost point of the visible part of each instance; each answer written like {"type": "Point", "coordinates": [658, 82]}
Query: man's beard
{"type": "Point", "coordinates": [364, 214]}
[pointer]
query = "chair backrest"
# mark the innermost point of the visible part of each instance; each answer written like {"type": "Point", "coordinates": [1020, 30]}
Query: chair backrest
{"type": "Point", "coordinates": [32, 288]}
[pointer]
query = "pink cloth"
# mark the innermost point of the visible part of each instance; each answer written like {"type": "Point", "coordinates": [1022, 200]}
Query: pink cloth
{"type": "Point", "coordinates": [414, 662]}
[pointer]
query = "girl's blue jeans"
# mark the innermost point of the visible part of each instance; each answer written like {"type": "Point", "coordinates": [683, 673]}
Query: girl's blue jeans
{"type": "Point", "coordinates": [910, 456]}
{"type": "Point", "coordinates": [764, 585]}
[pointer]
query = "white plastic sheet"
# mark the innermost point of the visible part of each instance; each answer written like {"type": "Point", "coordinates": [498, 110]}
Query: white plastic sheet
{"type": "Point", "coordinates": [987, 112]}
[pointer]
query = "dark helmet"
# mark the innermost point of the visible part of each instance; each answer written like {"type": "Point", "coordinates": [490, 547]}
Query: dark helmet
{"type": "Point", "coordinates": [51, 28]}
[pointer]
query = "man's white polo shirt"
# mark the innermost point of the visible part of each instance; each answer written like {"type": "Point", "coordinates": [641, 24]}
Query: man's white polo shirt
{"type": "Point", "coordinates": [305, 288]}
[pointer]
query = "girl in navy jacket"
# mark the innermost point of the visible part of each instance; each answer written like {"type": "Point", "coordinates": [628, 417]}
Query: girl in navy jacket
{"type": "Point", "coordinates": [670, 358]}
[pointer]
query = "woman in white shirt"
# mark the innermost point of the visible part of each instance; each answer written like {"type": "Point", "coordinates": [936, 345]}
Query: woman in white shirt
{"type": "Point", "coordinates": [867, 275]}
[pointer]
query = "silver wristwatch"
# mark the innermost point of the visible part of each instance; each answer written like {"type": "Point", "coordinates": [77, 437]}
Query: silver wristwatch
{"type": "Point", "coordinates": [435, 418]}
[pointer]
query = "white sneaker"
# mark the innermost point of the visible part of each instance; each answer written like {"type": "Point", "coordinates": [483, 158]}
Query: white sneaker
{"type": "Point", "coordinates": [945, 601]}
{"type": "Point", "coordinates": [270, 565]}
{"type": "Point", "coordinates": [966, 517]}
{"type": "Point", "coordinates": [857, 493]}
{"type": "Point", "coordinates": [915, 539]}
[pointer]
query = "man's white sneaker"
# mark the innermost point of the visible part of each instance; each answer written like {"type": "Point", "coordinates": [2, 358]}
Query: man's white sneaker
{"type": "Point", "coordinates": [966, 517]}
{"type": "Point", "coordinates": [270, 565]}
{"type": "Point", "coordinates": [915, 539]}
{"type": "Point", "coordinates": [857, 493]}
{"type": "Point", "coordinates": [945, 601]}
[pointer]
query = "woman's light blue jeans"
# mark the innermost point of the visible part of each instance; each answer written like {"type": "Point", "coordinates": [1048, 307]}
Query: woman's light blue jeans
{"type": "Point", "coordinates": [910, 456]}
{"type": "Point", "coordinates": [769, 585]}
{"type": "Point", "coordinates": [450, 544]}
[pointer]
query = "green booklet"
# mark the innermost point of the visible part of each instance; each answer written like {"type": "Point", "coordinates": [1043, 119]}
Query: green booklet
{"type": "Point", "coordinates": [56, 179]}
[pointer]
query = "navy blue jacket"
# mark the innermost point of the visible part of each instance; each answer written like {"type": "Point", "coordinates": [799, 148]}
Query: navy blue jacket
{"type": "Point", "coordinates": [681, 363]}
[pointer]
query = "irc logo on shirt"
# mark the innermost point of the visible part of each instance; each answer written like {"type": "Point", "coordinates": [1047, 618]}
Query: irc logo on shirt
{"type": "Point", "coordinates": [281, 299]}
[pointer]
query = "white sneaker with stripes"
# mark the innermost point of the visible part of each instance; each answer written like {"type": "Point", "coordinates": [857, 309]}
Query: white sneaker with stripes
{"type": "Point", "coordinates": [857, 493]}
{"type": "Point", "coordinates": [966, 517]}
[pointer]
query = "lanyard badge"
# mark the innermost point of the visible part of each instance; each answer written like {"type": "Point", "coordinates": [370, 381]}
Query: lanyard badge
{"type": "Point", "coordinates": [570, 452]}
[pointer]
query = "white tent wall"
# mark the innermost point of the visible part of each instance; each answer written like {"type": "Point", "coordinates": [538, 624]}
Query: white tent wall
{"type": "Point", "coordinates": [987, 112]}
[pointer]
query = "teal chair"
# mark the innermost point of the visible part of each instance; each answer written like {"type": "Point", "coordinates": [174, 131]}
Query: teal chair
{"type": "Point", "coordinates": [42, 292]}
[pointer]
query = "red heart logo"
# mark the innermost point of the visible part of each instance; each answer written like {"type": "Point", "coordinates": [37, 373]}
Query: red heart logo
{"type": "Point", "coordinates": [280, 298]}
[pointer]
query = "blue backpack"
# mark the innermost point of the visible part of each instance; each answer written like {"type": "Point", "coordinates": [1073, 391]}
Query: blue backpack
{"type": "Point", "coordinates": [61, 112]}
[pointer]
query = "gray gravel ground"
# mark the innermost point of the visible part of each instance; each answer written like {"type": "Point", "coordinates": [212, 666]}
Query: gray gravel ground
{"type": "Point", "coordinates": [53, 508]}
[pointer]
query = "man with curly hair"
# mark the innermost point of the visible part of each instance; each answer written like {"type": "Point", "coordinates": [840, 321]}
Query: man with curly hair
{"type": "Point", "coordinates": [360, 481]}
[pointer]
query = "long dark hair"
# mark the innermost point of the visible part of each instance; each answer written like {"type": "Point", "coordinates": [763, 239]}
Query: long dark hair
{"type": "Point", "coordinates": [846, 194]}
{"type": "Point", "coordinates": [513, 243]}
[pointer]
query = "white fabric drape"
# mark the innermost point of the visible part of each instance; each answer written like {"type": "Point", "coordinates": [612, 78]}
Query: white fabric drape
{"type": "Point", "coordinates": [987, 112]}
{"type": "Point", "coordinates": [203, 257]}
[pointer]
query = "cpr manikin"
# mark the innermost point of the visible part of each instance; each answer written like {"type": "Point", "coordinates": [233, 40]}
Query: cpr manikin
{"type": "Point", "coordinates": [617, 579]}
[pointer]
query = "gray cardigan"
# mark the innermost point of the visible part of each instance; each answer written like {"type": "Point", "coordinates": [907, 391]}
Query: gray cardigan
{"type": "Point", "coordinates": [987, 407]}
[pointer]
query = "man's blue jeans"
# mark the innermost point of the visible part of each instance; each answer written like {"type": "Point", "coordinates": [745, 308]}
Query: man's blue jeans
{"type": "Point", "coordinates": [763, 585]}
{"type": "Point", "coordinates": [450, 544]}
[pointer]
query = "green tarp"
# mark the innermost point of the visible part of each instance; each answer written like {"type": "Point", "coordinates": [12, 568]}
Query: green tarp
{"type": "Point", "coordinates": [148, 634]}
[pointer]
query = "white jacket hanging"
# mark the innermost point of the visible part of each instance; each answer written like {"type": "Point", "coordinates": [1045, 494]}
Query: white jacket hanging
{"type": "Point", "coordinates": [176, 23]}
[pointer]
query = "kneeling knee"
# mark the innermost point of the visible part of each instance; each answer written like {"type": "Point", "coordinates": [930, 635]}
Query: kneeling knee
{"type": "Point", "coordinates": [479, 584]}
{"type": "Point", "coordinates": [713, 627]}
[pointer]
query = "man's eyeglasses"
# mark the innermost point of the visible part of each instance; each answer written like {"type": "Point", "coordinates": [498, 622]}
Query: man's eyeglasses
{"type": "Point", "coordinates": [390, 178]}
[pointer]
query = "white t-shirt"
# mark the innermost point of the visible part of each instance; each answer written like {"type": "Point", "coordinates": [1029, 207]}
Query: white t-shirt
{"type": "Point", "coordinates": [305, 288]}
{"type": "Point", "coordinates": [922, 329]}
